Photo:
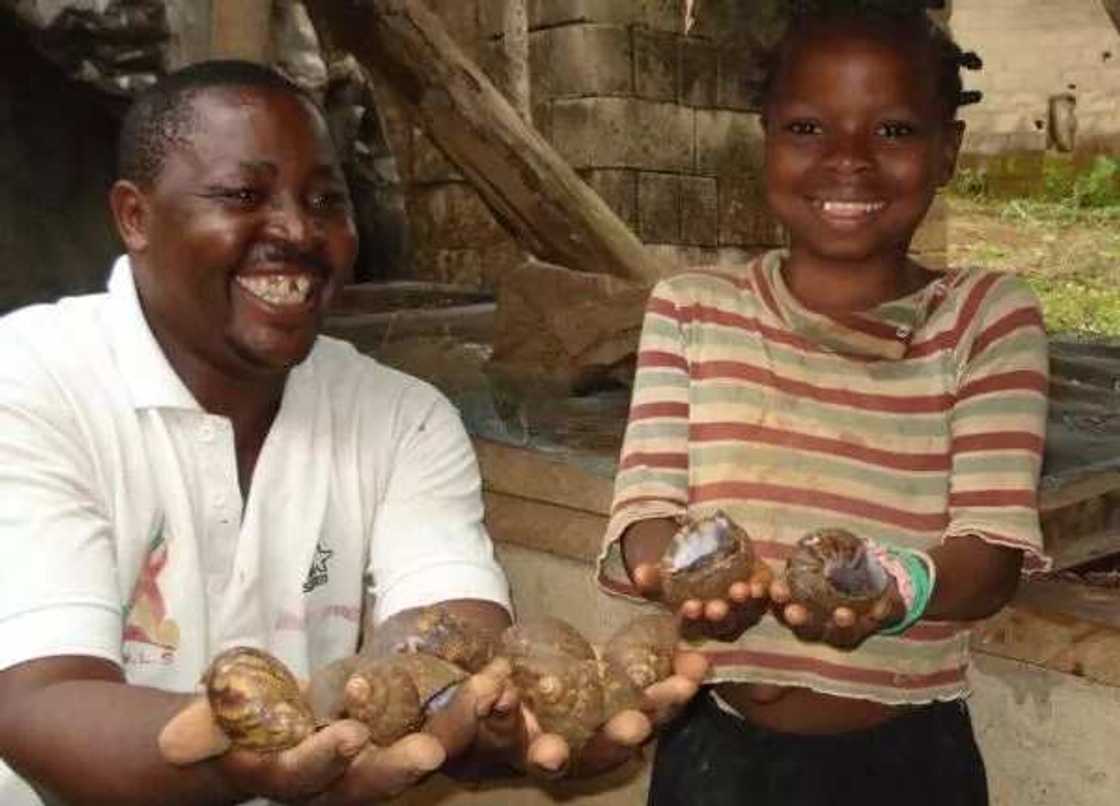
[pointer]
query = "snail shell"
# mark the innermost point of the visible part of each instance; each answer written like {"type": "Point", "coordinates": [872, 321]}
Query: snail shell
{"type": "Point", "coordinates": [393, 695]}
{"type": "Point", "coordinates": [256, 700]}
{"type": "Point", "coordinates": [833, 568]}
{"type": "Point", "coordinates": [559, 677]}
{"type": "Point", "coordinates": [638, 655]}
{"type": "Point", "coordinates": [433, 631]}
{"type": "Point", "coordinates": [704, 558]}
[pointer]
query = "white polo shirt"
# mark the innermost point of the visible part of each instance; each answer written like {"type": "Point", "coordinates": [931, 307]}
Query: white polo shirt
{"type": "Point", "coordinates": [123, 533]}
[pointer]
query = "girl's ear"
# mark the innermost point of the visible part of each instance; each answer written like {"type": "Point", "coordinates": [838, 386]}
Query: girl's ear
{"type": "Point", "coordinates": [131, 213]}
{"type": "Point", "coordinates": [954, 135]}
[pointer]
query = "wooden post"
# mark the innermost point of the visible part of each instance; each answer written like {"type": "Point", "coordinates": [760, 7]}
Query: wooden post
{"type": "Point", "coordinates": [528, 186]}
{"type": "Point", "coordinates": [241, 29]}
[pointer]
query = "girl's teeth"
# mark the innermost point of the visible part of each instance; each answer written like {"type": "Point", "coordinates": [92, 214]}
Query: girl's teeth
{"type": "Point", "coordinates": [851, 208]}
{"type": "Point", "coordinates": [278, 289]}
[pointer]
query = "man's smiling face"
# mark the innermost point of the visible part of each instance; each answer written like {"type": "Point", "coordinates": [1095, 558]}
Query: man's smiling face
{"type": "Point", "coordinates": [247, 234]}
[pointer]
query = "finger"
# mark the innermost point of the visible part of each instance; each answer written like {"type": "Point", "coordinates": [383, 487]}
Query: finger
{"type": "Point", "coordinates": [192, 735]}
{"type": "Point", "coordinates": [843, 617]}
{"type": "Point", "coordinates": [647, 579]}
{"type": "Point", "coordinates": [690, 665]}
{"type": "Point", "coordinates": [667, 697]}
{"type": "Point", "coordinates": [455, 726]}
{"type": "Point", "coordinates": [796, 615]}
{"type": "Point", "coordinates": [692, 609]}
{"type": "Point", "coordinates": [716, 610]}
{"type": "Point", "coordinates": [779, 591]}
{"type": "Point", "coordinates": [743, 592]}
{"type": "Point", "coordinates": [309, 767]}
{"type": "Point", "coordinates": [383, 772]}
{"type": "Point", "coordinates": [628, 728]}
{"type": "Point", "coordinates": [548, 756]}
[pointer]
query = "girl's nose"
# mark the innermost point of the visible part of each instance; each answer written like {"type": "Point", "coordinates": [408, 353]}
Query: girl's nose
{"type": "Point", "coordinates": [849, 153]}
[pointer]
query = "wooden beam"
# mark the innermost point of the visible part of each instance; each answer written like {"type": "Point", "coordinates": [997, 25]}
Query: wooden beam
{"type": "Point", "coordinates": [241, 29]}
{"type": "Point", "coordinates": [529, 187]}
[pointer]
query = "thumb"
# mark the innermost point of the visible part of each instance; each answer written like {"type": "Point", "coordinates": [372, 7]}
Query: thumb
{"type": "Point", "coordinates": [647, 579]}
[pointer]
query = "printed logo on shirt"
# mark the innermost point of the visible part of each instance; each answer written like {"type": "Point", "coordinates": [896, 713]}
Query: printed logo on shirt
{"type": "Point", "coordinates": [317, 575]}
{"type": "Point", "coordinates": [145, 617]}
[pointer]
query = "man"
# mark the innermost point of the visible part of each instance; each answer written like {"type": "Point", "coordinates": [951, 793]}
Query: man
{"type": "Point", "coordinates": [187, 466]}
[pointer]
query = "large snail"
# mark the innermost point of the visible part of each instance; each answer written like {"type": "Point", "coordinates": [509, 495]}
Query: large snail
{"type": "Point", "coordinates": [571, 688]}
{"type": "Point", "coordinates": [704, 558]}
{"type": "Point", "coordinates": [834, 568]}
{"type": "Point", "coordinates": [409, 670]}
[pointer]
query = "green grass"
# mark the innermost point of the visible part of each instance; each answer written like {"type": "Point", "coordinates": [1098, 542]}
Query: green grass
{"type": "Point", "coordinates": [1065, 241]}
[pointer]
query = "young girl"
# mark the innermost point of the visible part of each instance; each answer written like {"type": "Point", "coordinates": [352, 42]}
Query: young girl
{"type": "Point", "coordinates": [839, 383]}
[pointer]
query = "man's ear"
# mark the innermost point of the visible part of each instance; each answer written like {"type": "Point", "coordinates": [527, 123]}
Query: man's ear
{"type": "Point", "coordinates": [954, 136]}
{"type": "Point", "coordinates": [131, 214]}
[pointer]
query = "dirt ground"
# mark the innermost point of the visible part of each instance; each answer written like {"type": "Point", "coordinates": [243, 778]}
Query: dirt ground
{"type": "Point", "coordinates": [1071, 257]}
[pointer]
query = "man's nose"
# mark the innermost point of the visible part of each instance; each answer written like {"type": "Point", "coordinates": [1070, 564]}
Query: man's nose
{"type": "Point", "coordinates": [291, 221]}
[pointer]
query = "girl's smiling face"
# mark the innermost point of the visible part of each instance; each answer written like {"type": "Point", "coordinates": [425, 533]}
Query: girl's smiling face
{"type": "Point", "coordinates": [857, 143]}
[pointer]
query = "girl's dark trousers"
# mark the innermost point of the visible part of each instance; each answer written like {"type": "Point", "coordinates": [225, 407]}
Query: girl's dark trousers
{"type": "Point", "coordinates": [926, 757]}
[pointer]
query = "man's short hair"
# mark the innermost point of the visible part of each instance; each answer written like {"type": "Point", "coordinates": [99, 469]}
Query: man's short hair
{"type": "Point", "coordinates": [162, 116]}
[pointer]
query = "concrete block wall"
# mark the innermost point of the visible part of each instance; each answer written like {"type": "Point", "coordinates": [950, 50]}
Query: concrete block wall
{"type": "Point", "coordinates": [1032, 50]}
{"type": "Point", "coordinates": [662, 125]}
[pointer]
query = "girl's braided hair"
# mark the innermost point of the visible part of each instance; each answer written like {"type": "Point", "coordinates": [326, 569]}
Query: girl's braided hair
{"type": "Point", "coordinates": [908, 16]}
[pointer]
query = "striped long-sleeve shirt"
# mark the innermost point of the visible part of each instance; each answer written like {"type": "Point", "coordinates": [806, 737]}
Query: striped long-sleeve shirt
{"type": "Point", "coordinates": [912, 423]}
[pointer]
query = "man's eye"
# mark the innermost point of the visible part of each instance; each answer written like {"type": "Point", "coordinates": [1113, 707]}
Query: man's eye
{"type": "Point", "coordinates": [803, 127]}
{"type": "Point", "coordinates": [893, 129]}
{"type": "Point", "coordinates": [242, 196]}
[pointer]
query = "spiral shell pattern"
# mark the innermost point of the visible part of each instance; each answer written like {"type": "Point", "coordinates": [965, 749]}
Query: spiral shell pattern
{"type": "Point", "coordinates": [256, 700]}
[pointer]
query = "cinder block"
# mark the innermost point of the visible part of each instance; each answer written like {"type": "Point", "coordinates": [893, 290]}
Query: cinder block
{"type": "Point", "coordinates": [744, 219]}
{"type": "Point", "coordinates": [623, 133]}
{"type": "Point", "coordinates": [619, 189]}
{"type": "Point", "coordinates": [697, 72]}
{"type": "Point", "coordinates": [580, 60]}
{"type": "Point", "coordinates": [699, 210]}
{"type": "Point", "coordinates": [728, 143]}
{"type": "Point", "coordinates": [659, 207]}
{"type": "Point", "coordinates": [655, 64]}
{"type": "Point", "coordinates": [739, 78]}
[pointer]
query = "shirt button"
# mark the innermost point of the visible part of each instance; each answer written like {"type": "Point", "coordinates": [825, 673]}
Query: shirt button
{"type": "Point", "coordinates": [903, 332]}
{"type": "Point", "coordinates": [206, 432]}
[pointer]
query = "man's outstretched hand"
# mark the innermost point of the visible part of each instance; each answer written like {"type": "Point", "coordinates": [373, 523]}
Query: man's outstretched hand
{"type": "Point", "coordinates": [619, 740]}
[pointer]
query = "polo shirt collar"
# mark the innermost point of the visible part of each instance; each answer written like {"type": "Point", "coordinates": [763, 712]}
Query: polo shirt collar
{"type": "Point", "coordinates": [882, 332]}
{"type": "Point", "coordinates": [149, 379]}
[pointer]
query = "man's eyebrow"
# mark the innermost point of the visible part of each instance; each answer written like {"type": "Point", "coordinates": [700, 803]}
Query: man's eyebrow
{"type": "Point", "coordinates": [259, 166]}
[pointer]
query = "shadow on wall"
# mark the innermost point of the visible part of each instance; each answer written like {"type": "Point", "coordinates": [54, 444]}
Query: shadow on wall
{"type": "Point", "coordinates": [56, 166]}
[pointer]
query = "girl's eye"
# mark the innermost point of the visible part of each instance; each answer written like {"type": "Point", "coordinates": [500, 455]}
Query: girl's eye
{"type": "Point", "coordinates": [803, 127]}
{"type": "Point", "coordinates": [893, 129]}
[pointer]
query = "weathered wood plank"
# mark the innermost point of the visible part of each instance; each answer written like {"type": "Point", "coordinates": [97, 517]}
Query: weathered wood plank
{"type": "Point", "coordinates": [530, 188]}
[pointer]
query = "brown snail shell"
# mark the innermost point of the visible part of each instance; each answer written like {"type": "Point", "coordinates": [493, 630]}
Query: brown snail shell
{"type": "Point", "coordinates": [256, 700]}
{"type": "Point", "coordinates": [704, 558]}
{"type": "Point", "coordinates": [569, 688]}
{"type": "Point", "coordinates": [393, 695]}
{"type": "Point", "coordinates": [545, 636]}
{"type": "Point", "coordinates": [833, 568]}
{"type": "Point", "coordinates": [635, 657]}
{"type": "Point", "coordinates": [433, 631]}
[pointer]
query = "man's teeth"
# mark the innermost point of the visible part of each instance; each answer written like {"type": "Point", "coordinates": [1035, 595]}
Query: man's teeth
{"type": "Point", "coordinates": [851, 208]}
{"type": "Point", "coordinates": [278, 289]}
